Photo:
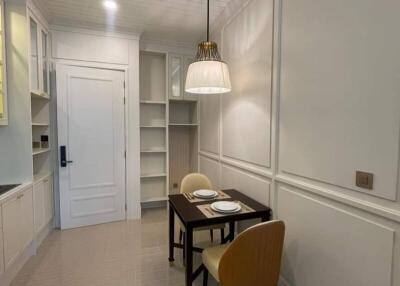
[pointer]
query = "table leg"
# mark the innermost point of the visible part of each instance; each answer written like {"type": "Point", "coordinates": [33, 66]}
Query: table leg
{"type": "Point", "coordinates": [171, 234]}
{"type": "Point", "coordinates": [231, 231]}
{"type": "Point", "coordinates": [189, 255]}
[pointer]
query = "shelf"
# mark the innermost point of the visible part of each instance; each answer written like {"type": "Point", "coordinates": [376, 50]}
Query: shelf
{"type": "Point", "coordinates": [153, 151]}
{"type": "Point", "coordinates": [39, 95]}
{"type": "Point", "coordinates": [39, 176]}
{"type": "Point", "coordinates": [40, 124]}
{"type": "Point", "coordinates": [153, 126]}
{"type": "Point", "coordinates": [183, 124]}
{"type": "Point", "coordinates": [146, 176]}
{"type": "Point", "coordinates": [157, 199]}
{"type": "Point", "coordinates": [152, 102]}
{"type": "Point", "coordinates": [37, 151]}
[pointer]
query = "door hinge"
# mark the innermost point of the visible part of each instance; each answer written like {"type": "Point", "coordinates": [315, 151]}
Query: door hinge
{"type": "Point", "coordinates": [126, 207]}
{"type": "Point", "coordinates": [124, 85]}
{"type": "Point", "coordinates": [125, 154]}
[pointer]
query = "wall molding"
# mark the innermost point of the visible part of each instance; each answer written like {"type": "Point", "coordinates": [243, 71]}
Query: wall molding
{"type": "Point", "coordinates": [373, 208]}
{"type": "Point", "coordinates": [95, 32]}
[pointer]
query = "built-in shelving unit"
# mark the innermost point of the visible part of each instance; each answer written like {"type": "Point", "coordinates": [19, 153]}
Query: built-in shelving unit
{"type": "Point", "coordinates": [154, 128]}
{"type": "Point", "coordinates": [169, 125]}
{"type": "Point", "coordinates": [183, 141]}
{"type": "Point", "coordinates": [39, 72]}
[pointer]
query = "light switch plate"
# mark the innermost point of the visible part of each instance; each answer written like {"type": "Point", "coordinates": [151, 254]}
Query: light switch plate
{"type": "Point", "coordinates": [364, 180]}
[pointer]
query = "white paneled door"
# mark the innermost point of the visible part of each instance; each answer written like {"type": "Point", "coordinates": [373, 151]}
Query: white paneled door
{"type": "Point", "coordinates": [90, 105]}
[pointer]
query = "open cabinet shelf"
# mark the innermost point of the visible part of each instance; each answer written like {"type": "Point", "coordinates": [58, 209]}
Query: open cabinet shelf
{"type": "Point", "coordinates": [153, 128]}
{"type": "Point", "coordinates": [38, 151]}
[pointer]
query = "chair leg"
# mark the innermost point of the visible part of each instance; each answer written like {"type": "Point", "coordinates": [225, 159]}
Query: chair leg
{"type": "Point", "coordinates": [183, 251]}
{"type": "Point", "coordinates": [222, 235]}
{"type": "Point", "coordinates": [205, 277]}
{"type": "Point", "coordinates": [180, 236]}
{"type": "Point", "coordinates": [212, 234]}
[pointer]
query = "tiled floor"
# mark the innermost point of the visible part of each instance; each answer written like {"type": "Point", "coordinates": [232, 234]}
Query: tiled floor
{"type": "Point", "coordinates": [128, 253]}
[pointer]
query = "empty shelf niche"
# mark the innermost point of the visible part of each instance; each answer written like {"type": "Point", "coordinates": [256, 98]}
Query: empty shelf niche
{"type": "Point", "coordinates": [153, 164]}
{"type": "Point", "coordinates": [183, 113]}
{"type": "Point", "coordinates": [152, 77]}
{"type": "Point", "coordinates": [152, 115]}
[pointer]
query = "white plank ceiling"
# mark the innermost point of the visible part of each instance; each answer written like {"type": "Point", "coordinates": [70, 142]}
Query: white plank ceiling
{"type": "Point", "coordinates": [181, 21]}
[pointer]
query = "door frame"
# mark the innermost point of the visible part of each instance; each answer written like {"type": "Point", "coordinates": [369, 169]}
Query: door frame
{"type": "Point", "coordinates": [94, 65]}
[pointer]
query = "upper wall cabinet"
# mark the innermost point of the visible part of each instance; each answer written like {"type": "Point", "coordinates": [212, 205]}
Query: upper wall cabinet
{"type": "Point", "coordinates": [39, 58]}
{"type": "Point", "coordinates": [178, 66]}
{"type": "Point", "coordinates": [3, 87]}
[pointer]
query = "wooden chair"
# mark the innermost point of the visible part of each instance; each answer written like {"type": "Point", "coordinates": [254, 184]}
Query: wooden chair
{"type": "Point", "coordinates": [253, 258]}
{"type": "Point", "coordinates": [191, 183]}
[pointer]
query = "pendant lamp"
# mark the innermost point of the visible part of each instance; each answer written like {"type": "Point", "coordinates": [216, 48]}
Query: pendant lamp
{"type": "Point", "coordinates": [208, 74]}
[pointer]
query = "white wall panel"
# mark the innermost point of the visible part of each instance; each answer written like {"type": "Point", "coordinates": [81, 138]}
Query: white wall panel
{"type": "Point", "coordinates": [246, 111]}
{"type": "Point", "coordinates": [90, 47]}
{"type": "Point", "coordinates": [211, 169]}
{"type": "Point", "coordinates": [340, 87]}
{"type": "Point", "coordinates": [253, 186]}
{"type": "Point", "coordinates": [209, 123]}
{"type": "Point", "coordinates": [325, 245]}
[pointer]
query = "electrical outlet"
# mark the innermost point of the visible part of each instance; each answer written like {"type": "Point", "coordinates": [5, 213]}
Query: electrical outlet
{"type": "Point", "coordinates": [364, 180]}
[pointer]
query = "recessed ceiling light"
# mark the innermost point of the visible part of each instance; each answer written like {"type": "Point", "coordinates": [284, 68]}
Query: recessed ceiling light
{"type": "Point", "coordinates": [109, 4]}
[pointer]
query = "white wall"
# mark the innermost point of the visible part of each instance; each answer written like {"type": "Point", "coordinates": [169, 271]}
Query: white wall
{"type": "Point", "coordinates": [316, 96]}
{"type": "Point", "coordinates": [15, 139]}
{"type": "Point", "coordinates": [116, 51]}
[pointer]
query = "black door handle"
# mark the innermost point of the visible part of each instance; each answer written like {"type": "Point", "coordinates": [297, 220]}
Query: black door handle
{"type": "Point", "coordinates": [63, 157]}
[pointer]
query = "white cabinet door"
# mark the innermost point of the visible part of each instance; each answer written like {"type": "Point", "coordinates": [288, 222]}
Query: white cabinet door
{"type": "Point", "coordinates": [1, 243]}
{"type": "Point", "coordinates": [26, 217]}
{"type": "Point", "coordinates": [175, 77]}
{"type": "Point", "coordinates": [48, 199]}
{"type": "Point", "coordinates": [1, 252]}
{"type": "Point", "coordinates": [11, 230]}
{"type": "Point", "coordinates": [38, 199]}
{"type": "Point", "coordinates": [187, 96]}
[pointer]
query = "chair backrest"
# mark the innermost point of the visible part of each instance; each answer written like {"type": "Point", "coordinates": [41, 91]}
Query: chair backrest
{"type": "Point", "coordinates": [195, 181]}
{"type": "Point", "coordinates": [254, 257]}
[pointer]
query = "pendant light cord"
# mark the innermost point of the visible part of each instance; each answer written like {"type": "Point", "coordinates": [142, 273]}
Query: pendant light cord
{"type": "Point", "coordinates": [208, 20]}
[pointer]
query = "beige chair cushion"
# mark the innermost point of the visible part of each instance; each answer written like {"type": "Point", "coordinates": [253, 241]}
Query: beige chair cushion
{"type": "Point", "coordinates": [211, 258]}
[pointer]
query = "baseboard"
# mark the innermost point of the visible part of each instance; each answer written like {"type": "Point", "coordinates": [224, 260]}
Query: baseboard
{"type": "Point", "coordinates": [12, 271]}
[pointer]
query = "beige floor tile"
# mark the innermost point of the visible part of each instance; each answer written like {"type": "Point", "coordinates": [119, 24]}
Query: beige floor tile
{"type": "Point", "coordinates": [127, 253]}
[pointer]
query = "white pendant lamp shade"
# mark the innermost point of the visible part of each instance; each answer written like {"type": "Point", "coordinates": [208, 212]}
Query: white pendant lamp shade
{"type": "Point", "coordinates": [208, 74]}
{"type": "Point", "coordinates": [208, 77]}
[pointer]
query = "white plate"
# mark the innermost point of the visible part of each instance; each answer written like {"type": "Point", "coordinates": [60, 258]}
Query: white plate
{"type": "Point", "coordinates": [226, 207]}
{"type": "Point", "coordinates": [205, 194]}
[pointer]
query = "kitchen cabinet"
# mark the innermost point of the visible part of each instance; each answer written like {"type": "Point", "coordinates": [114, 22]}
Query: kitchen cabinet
{"type": "Point", "coordinates": [1, 244]}
{"type": "Point", "coordinates": [17, 218]}
{"type": "Point", "coordinates": [178, 67]}
{"type": "Point", "coordinates": [48, 199]}
{"type": "Point", "coordinates": [176, 87]}
{"type": "Point", "coordinates": [43, 203]}
{"type": "Point", "coordinates": [39, 58]}
{"type": "Point", "coordinates": [38, 199]}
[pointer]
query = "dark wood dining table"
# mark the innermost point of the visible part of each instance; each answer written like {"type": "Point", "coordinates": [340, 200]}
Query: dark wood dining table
{"type": "Point", "coordinates": [191, 217]}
